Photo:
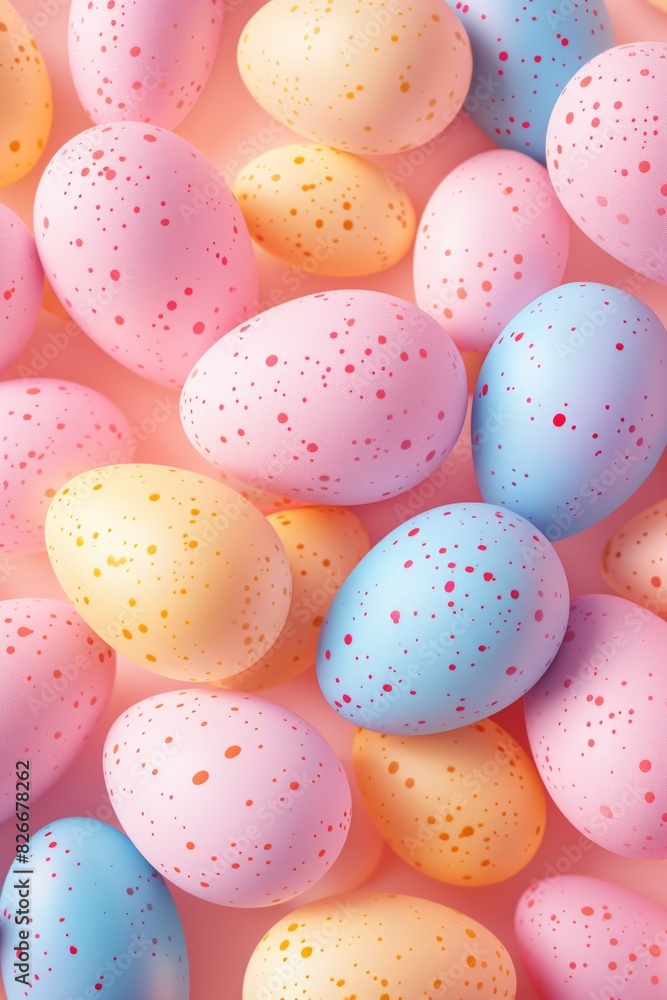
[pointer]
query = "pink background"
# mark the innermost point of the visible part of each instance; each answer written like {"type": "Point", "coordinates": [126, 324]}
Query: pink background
{"type": "Point", "coordinates": [231, 129]}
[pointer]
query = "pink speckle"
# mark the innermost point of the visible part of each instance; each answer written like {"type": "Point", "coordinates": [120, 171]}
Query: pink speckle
{"type": "Point", "coordinates": [135, 51]}
{"type": "Point", "coordinates": [645, 766]}
{"type": "Point", "coordinates": [271, 361]}
{"type": "Point", "coordinates": [395, 617]}
{"type": "Point", "coordinates": [198, 328]}
{"type": "Point", "coordinates": [559, 420]}
{"type": "Point", "coordinates": [644, 167]}
{"type": "Point", "coordinates": [606, 812]}
{"type": "Point", "coordinates": [347, 639]}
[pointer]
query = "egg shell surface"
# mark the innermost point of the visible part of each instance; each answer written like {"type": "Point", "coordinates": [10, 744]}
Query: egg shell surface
{"type": "Point", "coordinates": [371, 78]}
{"type": "Point", "coordinates": [473, 270]}
{"type": "Point", "coordinates": [596, 726]}
{"type": "Point", "coordinates": [450, 618]}
{"type": "Point", "coordinates": [21, 286]}
{"type": "Point", "coordinates": [234, 798]}
{"type": "Point", "coordinates": [145, 246]}
{"type": "Point", "coordinates": [569, 413]}
{"type": "Point", "coordinates": [105, 918]}
{"type": "Point", "coordinates": [634, 560]}
{"type": "Point", "coordinates": [179, 572]}
{"type": "Point", "coordinates": [342, 397]}
{"type": "Point", "coordinates": [50, 430]}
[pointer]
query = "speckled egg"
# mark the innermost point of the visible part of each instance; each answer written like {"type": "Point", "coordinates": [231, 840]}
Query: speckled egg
{"type": "Point", "coordinates": [145, 246]}
{"type": "Point", "coordinates": [21, 286]}
{"type": "Point", "coordinates": [372, 941]}
{"type": "Point", "coordinates": [27, 111]}
{"type": "Point", "coordinates": [474, 269]}
{"type": "Point", "coordinates": [596, 726]}
{"type": "Point", "coordinates": [57, 680]}
{"type": "Point", "coordinates": [373, 78]}
{"type": "Point", "coordinates": [142, 61]}
{"type": "Point", "coordinates": [233, 798]}
{"type": "Point", "coordinates": [342, 397]}
{"type": "Point", "coordinates": [50, 430]}
{"type": "Point", "coordinates": [325, 211]}
{"type": "Point", "coordinates": [607, 154]}
{"type": "Point", "coordinates": [471, 595]}
{"type": "Point", "coordinates": [323, 545]}
{"type": "Point", "coordinates": [570, 413]}
{"type": "Point", "coordinates": [100, 917]}
{"type": "Point", "coordinates": [179, 572]}
{"type": "Point", "coordinates": [524, 54]}
{"type": "Point", "coordinates": [583, 937]}
{"type": "Point", "coordinates": [634, 561]}
{"type": "Point", "coordinates": [465, 807]}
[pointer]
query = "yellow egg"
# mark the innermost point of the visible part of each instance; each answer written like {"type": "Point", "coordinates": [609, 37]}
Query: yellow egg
{"type": "Point", "coordinates": [323, 545]}
{"type": "Point", "coordinates": [465, 807]}
{"type": "Point", "coordinates": [25, 98]}
{"type": "Point", "coordinates": [379, 946]}
{"type": "Point", "coordinates": [634, 561]}
{"type": "Point", "coordinates": [325, 211]}
{"type": "Point", "coordinates": [374, 77]}
{"type": "Point", "coordinates": [179, 573]}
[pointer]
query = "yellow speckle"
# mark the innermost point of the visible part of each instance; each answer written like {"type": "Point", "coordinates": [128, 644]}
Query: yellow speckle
{"type": "Point", "coordinates": [97, 572]}
{"type": "Point", "coordinates": [284, 945]}
{"type": "Point", "coordinates": [79, 541]}
{"type": "Point", "coordinates": [150, 658]}
{"type": "Point", "coordinates": [164, 613]}
{"type": "Point", "coordinates": [275, 177]}
{"type": "Point", "coordinates": [127, 633]}
{"type": "Point", "coordinates": [299, 159]}
{"type": "Point", "coordinates": [405, 87]}
{"type": "Point", "coordinates": [152, 549]}
{"type": "Point", "coordinates": [154, 496]}
{"type": "Point", "coordinates": [306, 952]}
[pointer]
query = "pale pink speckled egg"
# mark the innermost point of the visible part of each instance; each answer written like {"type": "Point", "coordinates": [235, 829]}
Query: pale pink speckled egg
{"type": "Point", "coordinates": [145, 247]}
{"type": "Point", "coordinates": [140, 60]}
{"type": "Point", "coordinates": [57, 676]}
{"type": "Point", "coordinates": [492, 238]}
{"type": "Point", "coordinates": [581, 938]}
{"type": "Point", "coordinates": [232, 797]}
{"type": "Point", "coordinates": [343, 397]}
{"type": "Point", "coordinates": [596, 725]}
{"type": "Point", "coordinates": [634, 561]}
{"type": "Point", "coordinates": [50, 431]}
{"type": "Point", "coordinates": [21, 286]}
{"type": "Point", "coordinates": [607, 154]}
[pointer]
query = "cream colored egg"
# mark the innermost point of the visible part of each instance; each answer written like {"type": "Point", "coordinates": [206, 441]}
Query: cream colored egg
{"type": "Point", "coordinates": [26, 109]}
{"type": "Point", "coordinates": [465, 807]}
{"type": "Point", "coordinates": [323, 545]}
{"type": "Point", "coordinates": [379, 946]}
{"type": "Point", "coordinates": [634, 561]}
{"type": "Point", "coordinates": [179, 573]}
{"type": "Point", "coordinates": [378, 76]}
{"type": "Point", "coordinates": [325, 211]}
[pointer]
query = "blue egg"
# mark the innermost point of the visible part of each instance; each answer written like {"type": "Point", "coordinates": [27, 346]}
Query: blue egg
{"type": "Point", "coordinates": [524, 53]}
{"type": "Point", "coordinates": [569, 414]}
{"type": "Point", "coordinates": [450, 618]}
{"type": "Point", "coordinates": [88, 917]}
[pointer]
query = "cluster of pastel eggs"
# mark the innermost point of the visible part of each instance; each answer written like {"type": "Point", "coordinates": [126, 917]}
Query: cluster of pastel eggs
{"type": "Point", "coordinates": [346, 397]}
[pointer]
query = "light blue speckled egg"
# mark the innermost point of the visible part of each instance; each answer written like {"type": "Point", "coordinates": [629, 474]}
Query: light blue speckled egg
{"type": "Point", "coordinates": [569, 413]}
{"type": "Point", "coordinates": [89, 917]}
{"type": "Point", "coordinates": [524, 53]}
{"type": "Point", "coordinates": [450, 618]}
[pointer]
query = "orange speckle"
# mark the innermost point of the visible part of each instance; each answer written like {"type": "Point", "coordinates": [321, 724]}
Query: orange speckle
{"type": "Point", "coordinates": [233, 751]}
{"type": "Point", "coordinates": [200, 777]}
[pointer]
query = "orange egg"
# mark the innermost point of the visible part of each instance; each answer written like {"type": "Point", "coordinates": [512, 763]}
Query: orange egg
{"type": "Point", "coordinates": [634, 561]}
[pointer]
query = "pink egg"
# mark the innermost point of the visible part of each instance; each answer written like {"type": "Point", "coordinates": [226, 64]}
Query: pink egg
{"type": "Point", "coordinates": [145, 246]}
{"type": "Point", "coordinates": [57, 677]}
{"type": "Point", "coordinates": [21, 286]}
{"type": "Point", "coordinates": [232, 797]}
{"type": "Point", "coordinates": [492, 238]}
{"type": "Point", "coordinates": [607, 154]}
{"type": "Point", "coordinates": [581, 938]}
{"type": "Point", "coordinates": [50, 431]}
{"type": "Point", "coordinates": [343, 397]}
{"type": "Point", "coordinates": [142, 60]}
{"type": "Point", "coordinates": [634, 561]}
{"type": "Point", "coordinates": [596, 725]}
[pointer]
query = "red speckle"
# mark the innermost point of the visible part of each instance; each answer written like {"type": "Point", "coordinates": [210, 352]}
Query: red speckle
{"type": "Point", "coordinates": [73, 950]}
{"type": "Point", "coordinates": [559, 420]}
{"type": "Point", "coordinates": [644, 166]}
{"type": "Point", "coordinates": [311, 447]}
{"type": "Point", "coordinates": [449, 586]}
{"type": "Point", "coordinates": [164, 222]}
{"type": "Point", "coordinates": [645, 765]}
{"type": "Point", "coordinates": [271, 361]}
{"type": "Point", "coordinates": [586, 81]}
{"type": "Point", "coordinates": [150, 138]}
{"type": "Point", "coordinates": [503, 56]}
{"type": "Point", "coordinates": [514, 594]}
{"type": "Point", "coordinates": [282, 418]}
{"type": "Point", "coordinates": [135, 51]}
{"type": "Point", "coordinates": [405, 445]}
{"type": "Point", "coordinates": [198, 328]}
{"type": "Point", "coordinates": [539, 615]}
{"type": "Point", "coordinates": [348, 639]}
{"type": "Point", "coordinates": [510, 671]}
{"type": "Point", "coordinates": [395, 617]}
{"type": "Point", "coordinates": [619, 347]}
{"type": "Point", "coordinates": [115, 275]}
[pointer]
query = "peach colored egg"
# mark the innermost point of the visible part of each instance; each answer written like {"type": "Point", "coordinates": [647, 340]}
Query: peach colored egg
{"type": "Point", "coordinates": [21, 286]}
{"type": "Point", "coordinates": [325, 211]}
{"type": "Point", "coordinates": [581, 937]}
{"type": "Point", "coordinates": [660, 4]}
{"type": "Point", "coordinates": [368, 78]}
{"type": "Point", "coordinates": [492, 238]}
{"type": "Point", "coordinates": [50, 430]}
{"type": "Point", "coordinates": [181, 574]}
{"type": "Point", "coordinates": [377, 944]}
{"type": "Point", "coordinates": [25, 98]}
{"type": "Point", "coordinates": [145, 247]}
{"type": "Point", "coordinates": [264, 500]}
{"type": "Point", "coordinates": [57, 677]}
{"type": "Point", "coordinates": [465, 807]}
{"type": "Point", "coordinates": [233, 798]}
{"type": "Point", "coordinates": [323, 545]}
{"type": "Point", "coordinates": [634, 561]}
{"type": "Point", "coordinates": [596, 726]}
{"type": "Point", "coordinates": [341, 397]}
{"type": "Point", "coordinates": [607, 154]}
{"type": "Point", "coordinates": [142, 61]}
